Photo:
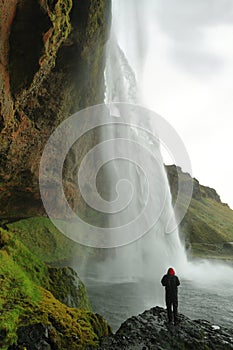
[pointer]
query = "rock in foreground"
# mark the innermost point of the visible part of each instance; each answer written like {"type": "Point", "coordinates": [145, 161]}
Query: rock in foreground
{"type": "Point", "coordinates": [150, 330]}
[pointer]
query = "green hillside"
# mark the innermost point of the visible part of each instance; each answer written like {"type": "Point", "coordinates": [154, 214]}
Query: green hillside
{"type": "Point", "coordinates": [207, 227]}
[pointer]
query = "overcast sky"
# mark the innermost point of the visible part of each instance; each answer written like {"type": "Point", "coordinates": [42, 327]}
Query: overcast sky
{"type": "Point", "coordinates": [187, 53]}
{"type": "Point", "coordinates": [193, 83]}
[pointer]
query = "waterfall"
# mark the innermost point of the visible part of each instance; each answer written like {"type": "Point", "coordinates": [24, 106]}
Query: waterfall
{"type": "Point", "coordinates": [136, 173]}
{"type": "Point", "coordinates": [123, 259]}
{"type": "Point", "coordinates": [148, 257]}
{"type": "Point", "coordinates": [130, 45]}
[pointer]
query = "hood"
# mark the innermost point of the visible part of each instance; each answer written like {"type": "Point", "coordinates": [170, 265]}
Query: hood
{"type": "Point", "coordinates": [170, 271]}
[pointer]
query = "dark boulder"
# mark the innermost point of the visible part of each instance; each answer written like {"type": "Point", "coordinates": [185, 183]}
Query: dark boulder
{"type": "Point", "coordinates": [33, 337]}
{"type": "Point", "coordinates": [150, 330]}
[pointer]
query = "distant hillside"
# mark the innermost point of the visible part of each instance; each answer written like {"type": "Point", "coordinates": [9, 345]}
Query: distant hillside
{"type": "Point", "coordinates": [207, 228]}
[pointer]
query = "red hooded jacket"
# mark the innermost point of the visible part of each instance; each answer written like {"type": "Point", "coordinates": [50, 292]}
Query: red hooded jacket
{"type": "Point", "coordinates": [171, 271]}
{"type": "Point", "coordinates": [170, 282]}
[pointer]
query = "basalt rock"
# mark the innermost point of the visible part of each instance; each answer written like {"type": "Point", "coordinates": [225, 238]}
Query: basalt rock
{"type": "Point", "coordinates": [34, 337]}
{"type": "Point", "coordinates": [150, 331]}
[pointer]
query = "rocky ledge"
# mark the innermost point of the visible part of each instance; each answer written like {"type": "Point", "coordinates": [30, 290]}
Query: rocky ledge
{"type": "Point", "coordinates": [150, 330]}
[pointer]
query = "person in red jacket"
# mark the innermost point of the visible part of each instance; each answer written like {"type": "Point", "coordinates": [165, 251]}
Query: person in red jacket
{"type": "Point", "coordinates": [170, 281]}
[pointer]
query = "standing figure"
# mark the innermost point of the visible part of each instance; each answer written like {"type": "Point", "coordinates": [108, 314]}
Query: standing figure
{"type": "Point", "coordinates": [170, 281]}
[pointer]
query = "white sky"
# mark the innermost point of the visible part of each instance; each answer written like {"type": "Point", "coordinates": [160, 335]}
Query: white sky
{"type": "Point", "coordinates": [200, 107]}
{"type": "Point", "coordinates": [188, 77]}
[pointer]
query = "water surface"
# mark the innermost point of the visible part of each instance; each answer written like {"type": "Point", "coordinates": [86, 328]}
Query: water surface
{"type": "Point", "coordinates": [117, 302]}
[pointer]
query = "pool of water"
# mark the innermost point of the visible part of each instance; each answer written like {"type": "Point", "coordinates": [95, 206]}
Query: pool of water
{"type": "Point", "coordinates": [118, 301]}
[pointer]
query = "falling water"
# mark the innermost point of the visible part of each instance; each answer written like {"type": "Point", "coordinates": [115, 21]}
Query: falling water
{"type": "Point", "coordinates": [148, 257]}
{"type": "Point", "coordinates": [145, 259]}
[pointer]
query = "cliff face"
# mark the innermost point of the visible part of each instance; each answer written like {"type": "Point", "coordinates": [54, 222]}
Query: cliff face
{"type": "Point", "coordinates": [199, 191]}
{"type": "Point", "coordinates": [51, 65]}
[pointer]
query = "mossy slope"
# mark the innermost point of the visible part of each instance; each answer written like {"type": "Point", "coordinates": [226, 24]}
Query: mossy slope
{"type": "Point", "coordinates": [44, 240]}
{"type": "Point", "coordinates": [25, 299]}
{"type": "Point", "coordinates": [47, 243]}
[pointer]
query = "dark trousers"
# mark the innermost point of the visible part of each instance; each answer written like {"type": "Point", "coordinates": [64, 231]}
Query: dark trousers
{"type": "Point", "coordinates": [172, 305]}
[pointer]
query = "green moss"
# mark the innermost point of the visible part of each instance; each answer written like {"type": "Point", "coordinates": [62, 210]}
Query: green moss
{"type": "Point", "coordinates": [19, 273]}
{"type": "Point", "coordinates": [25, 301]}
{"type": "Point", "coordinates": [74, 327]}
{"type": "Point", "coordinates": [67, 287]}
{"type": "Point", "coordinates": [50, 245]}
{"type": "Point", "coordinates": [59, 31]}
{"type": "Point", "coordinates": [20, 257]}
{"type": "Point", "coordinates": [45, 240]}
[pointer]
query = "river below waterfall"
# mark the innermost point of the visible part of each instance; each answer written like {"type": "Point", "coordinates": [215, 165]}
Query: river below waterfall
{"type": "Point", "coordinates": [117, 302]}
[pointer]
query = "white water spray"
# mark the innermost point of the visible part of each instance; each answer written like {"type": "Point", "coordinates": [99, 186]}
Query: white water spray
{"type": "Point", "coordinates": [146, 259]}
{"type": "Point", "coordinates": [132, 40]}
{"type": "Point", "coordinates": [150, 256]}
